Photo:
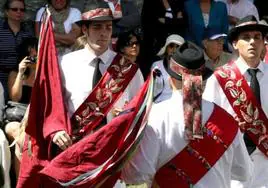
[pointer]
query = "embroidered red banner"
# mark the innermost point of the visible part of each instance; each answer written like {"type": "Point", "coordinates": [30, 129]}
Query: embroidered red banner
{"type": "Point", "coordinates": [196, 159]}
{"type": "Point", "coordinates": [250, 115]}
{"type": "Point", "coordinates": [96, 160]}
{"type": "Point", "coordinates": [100, 101]}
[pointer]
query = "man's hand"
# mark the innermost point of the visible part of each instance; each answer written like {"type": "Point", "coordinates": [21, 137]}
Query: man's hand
{"type": "Point", "coordinates": [62, 139]}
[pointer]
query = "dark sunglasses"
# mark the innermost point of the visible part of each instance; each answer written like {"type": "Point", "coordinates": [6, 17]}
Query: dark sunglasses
{"type": "Point", "coordinates": [131, 43]}
{"type": "Point", "coordinates": [17, 9]}
{"type": "Point", "coordinates": [172, 45]}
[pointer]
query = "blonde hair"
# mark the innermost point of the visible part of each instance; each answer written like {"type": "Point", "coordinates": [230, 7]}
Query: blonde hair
{"type": "Point", "coordinates": [79, 43]}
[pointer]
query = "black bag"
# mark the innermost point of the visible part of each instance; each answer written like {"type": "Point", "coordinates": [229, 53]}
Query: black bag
{"type": "Point", "coordinates": [14, 111]}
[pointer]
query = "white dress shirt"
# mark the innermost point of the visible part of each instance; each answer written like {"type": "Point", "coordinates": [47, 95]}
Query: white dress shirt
{"type": "Point", "coordinates": [77, 71]}
{"type": "Point", "coordinates": [214, 93]}
{"type": "Point", "coordinates": [164, 139]}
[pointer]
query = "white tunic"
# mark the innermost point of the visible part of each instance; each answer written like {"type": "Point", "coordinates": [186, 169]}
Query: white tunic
{"type": "Point", "coordinates": [77, 72]}
{"type": "Point", "coordinates": [164, 138]}
{"type": "Point", "coordinates": [74, 16]}
{"type": "Point", "coordinates": [162, 84]}
{"type": "Point", "coordinates": [214, 93]}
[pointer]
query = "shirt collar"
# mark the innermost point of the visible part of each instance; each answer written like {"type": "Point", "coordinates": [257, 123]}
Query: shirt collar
{"type": "Point", "coordinates": [243, 67]}
{"type": "Point", "coordinates": [104, 56]}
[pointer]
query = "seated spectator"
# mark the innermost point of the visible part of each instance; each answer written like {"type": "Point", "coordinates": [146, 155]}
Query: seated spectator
{"type": "Point", "coordinates": [65, 29]}
{"type": "Point", "coordinates": [202, 14]}
{"type": "Point", "coordinates": [20, 83]}
{"type": "Point", "coordinates": [213, 49]}
{"type": "Point", "coordinates": [12, 32]}
{"type": "Point", "coordinates": [162, 88]}
{"type": "Point", "coordinates": [128, 45]}
{"type": "Point", "coordinates": [238, 9]}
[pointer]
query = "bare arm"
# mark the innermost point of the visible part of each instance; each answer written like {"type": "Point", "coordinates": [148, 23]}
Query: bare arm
{"type": "Point", "coordinates": [15, 81]}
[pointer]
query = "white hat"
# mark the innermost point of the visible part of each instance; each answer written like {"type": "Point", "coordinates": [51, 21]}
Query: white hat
{"type": "Point", "coordinates": [176, 39]}
{"type": "Point", "coordinates": [216, 36]}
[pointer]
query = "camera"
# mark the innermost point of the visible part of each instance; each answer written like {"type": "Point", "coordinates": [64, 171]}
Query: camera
{"type": "Point", "coordinates": [32, 59]}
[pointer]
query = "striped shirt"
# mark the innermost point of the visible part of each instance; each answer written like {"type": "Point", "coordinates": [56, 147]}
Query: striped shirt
{"type": "Point", "coordinates": [8, 53]}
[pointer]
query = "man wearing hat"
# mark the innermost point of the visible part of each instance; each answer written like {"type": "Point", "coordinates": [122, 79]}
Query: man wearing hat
{"type": "Point", "coordinates": [192, 142]}
{"type": "Point", "coordinates": [96, 84]}
{"type": "Point", "coordinates": [240, 88]}
{"type": "Point", "coordinates": [86, 75]}
{"type": "Point", "coordinates": [214, 54]}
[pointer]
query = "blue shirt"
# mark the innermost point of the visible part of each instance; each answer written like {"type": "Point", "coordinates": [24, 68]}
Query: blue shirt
{"type": "Point", "coordinates": [8, 49]}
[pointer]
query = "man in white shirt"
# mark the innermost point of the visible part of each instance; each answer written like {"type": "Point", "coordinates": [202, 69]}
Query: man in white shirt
{"type": "Point", "coordinates": [78, 68]}
{"type": "Point", "coordinates": [244, 91]}
{"type": "Point", "coordinates": [185, 136]}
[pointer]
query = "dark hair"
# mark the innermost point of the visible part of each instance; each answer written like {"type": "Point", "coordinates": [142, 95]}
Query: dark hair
{"type": "Point", "coordinates": [67, 2]}
{"type": "Point", "coordinates": [124, 38]}
{"type": "Point", "coordinates": [23, 51]}
{"type": "Point", "coordinates": [8, 2]}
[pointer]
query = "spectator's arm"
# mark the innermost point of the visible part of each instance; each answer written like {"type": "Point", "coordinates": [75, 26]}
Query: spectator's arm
{"type": "Point", "coordinates": [15, 81]}
{"type": "Point", "coordinates": [68, 38]}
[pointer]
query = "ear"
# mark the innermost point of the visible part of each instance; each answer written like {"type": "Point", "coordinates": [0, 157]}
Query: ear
{"type": "Point", "coordinates": [205, 43]}
{"type": "Point", "coordinates": [84, 29]}
{"type": "Point", "coordinates": [235, 45]}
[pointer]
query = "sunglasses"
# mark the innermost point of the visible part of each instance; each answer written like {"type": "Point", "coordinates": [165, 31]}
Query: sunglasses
{"type": "Point", "coordinates": [132, 43]}
{"type": "Point", "coordinates": [172, 45]}
{"type": "Point", "coordinates": [17, 9]}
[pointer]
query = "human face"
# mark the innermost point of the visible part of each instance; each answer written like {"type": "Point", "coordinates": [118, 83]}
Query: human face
{"type": "Point", "coordinates": [15, 12]}
{"type": "Point", "coordinates": [214, 48]}
{"type": "Point", "coordinates": [99, 35]}
{"type": "Point", "coordinates": [171, 48]}
{"type": "Point", "coordinates": [250, 45]}
{"type": "Point", "coordinates": [59, 4]}
{"type": "Point", "coordinates": [132, 49]}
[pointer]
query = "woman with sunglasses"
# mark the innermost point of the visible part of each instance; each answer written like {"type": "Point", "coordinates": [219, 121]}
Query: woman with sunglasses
{"type": "Point", "coordinates": [12, 32]}
{"type": "Point", "coordinates": [128, 44]}
{"type": "Point", "coordinates": [64, 18]}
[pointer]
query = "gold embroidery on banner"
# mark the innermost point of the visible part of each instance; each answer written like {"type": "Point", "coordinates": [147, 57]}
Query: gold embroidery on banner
{"type": "Point", "coordinates": [251, 120]}
{"type": "Point", "coordinates": [104, 95]}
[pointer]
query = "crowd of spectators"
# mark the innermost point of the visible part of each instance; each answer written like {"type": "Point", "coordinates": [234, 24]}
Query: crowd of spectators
{"type": "Point", "coordinates": [146, 34]}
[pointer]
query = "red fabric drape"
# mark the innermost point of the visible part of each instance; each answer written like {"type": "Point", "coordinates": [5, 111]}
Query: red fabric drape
{"type": "Point", "coordinates": [47, 113]}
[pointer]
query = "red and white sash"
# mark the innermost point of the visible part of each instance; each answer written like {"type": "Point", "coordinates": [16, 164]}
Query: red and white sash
{"type": "Point", "coordinates": [249, 113]}
{"type": "Point", "coordinates": [196, 159]}
{"type": "Point", "coordinates": [101, 99]}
